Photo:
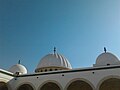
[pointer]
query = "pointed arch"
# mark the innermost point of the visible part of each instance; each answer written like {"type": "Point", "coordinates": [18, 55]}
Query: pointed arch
{"type": "Point", "coordinates": [109, 83]}
{"type": "Point", "coordinates": [50, 85]}
{"type": "Point", "coordinates": [3, 86]}
{"type": "Point", "coordinates": [26, 86]}
{"type": "Point", "coordinates": [79, 84]}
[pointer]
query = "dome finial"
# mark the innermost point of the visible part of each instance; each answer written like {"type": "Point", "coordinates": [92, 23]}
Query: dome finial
{"type": "Point", "coordinates": [19, 62]}
{"type": "Point", "coordinates": [54, 50]}
{"type": "Point", "coordinates": [105, 50]}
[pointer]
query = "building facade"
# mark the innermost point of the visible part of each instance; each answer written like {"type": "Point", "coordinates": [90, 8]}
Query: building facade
{"type": "Point", "coordinates": [54, 72]}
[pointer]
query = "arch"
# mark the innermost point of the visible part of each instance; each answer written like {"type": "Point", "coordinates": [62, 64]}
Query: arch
{"type": "Point", "coordinates": [109, 83]}
{"type": "Point", "coordinates": [79, 84]}
{"type": "Point", "coordinates": [50, 85]}
{"type": "Point", "coordinates": [26, 86]}
{"type": "Point", "coordinates": [3, 86]}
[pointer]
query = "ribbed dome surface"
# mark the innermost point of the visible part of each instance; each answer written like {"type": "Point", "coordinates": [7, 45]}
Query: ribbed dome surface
{"type": "Point", "coordinates": [54, 60]}
{"type": "Point", "coordinates": [18, 68]}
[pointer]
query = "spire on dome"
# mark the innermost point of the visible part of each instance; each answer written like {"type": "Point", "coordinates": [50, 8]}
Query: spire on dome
{"type": "Point", "coordinates": [19, 62]}
{"type": "Point", "coordinates": [54, 50]}
{"type": "Point", "coordinates": [105, 50]}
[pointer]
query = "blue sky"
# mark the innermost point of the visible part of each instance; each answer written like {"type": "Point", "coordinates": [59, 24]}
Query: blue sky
{"type": "Point", "coordinates": [79, 29]}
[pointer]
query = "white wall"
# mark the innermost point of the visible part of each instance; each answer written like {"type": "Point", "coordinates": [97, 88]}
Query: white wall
{"type": "Point", "coordinates": [93, 77]}
{"type": "Point", "coordinates": [4, 76]}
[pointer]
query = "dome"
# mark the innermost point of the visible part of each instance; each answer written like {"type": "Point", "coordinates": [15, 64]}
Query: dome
{"type": "Point", "coordinates": [106, 59]}
{"type": "Point", "coordinates": [53, 62]}
{"type": "Point", "coordinates": [18, 68]}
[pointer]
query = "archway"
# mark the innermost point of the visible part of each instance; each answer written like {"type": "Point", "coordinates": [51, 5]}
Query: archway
{"type": "Point", "coordinates": [3, 86]}
{"type": "Point", "coordinates": [50, 86]}
{"type": "Point", "coordinates": [79, 85]}
{"type": "Point", "coordinates": [110, 84]}
{"type": "Point", "coordinates": [25, 87]}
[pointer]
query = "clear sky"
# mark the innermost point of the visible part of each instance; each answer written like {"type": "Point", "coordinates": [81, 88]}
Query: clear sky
{"type": "Point", "coordinates": [79, 29]}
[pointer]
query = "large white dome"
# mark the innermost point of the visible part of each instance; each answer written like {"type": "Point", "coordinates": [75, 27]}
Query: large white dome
{"type": "Point", "coordinates": [106, 59]}
{"type": "Point", "coordinates": [18, 68]}
{"type": "Point", "coordinates": [53, 61]}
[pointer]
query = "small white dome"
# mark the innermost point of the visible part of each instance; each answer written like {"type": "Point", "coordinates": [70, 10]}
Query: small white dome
{"type": "Point", "coordinates": [18, 68]}
{"type": "Point", "coordinates": [106, 59]}
{"type": "Point", "coordinates": [53, 60]}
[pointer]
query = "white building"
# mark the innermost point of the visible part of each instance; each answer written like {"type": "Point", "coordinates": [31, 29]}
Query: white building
{"type": "Point", "coordinates": [54, 72]}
